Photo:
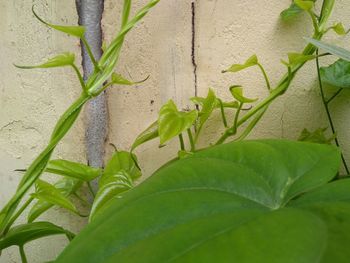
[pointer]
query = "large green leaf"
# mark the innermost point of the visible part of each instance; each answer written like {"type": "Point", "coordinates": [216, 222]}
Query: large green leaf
{"type": "Point", "coordinates": [173, 122]}
{"type": "Point", "coordinates": [22, 234]}
{"type": "Point", "coordinates": [251, 201]}
{"type": "Point", "coordinates": [337, 74]}
{"type": "Point", "coordinates": [117, 178]}
{"type": "Point", "coordinates": [335, 50]}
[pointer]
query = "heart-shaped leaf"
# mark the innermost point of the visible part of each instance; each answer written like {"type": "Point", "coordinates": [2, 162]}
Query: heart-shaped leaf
{"type": "Point", "coordinates": [339, 29]}
{"type": "Point", "coordinates": [22, 234]}
{"type": "Point", "coordinates": [118, 177]}
{"type": "Point", "coordinates": [237, 93]}
{"type": "Point", "coordinates": [66, 186]}
{"type": "Point", "coordinates": [72, 169]}
{"type": "Point", "coordinates": [252, 61]}
{"type": "Point", "coordinates": [62, 60]}
{"type": "Point", "coordinates": [149, 134]}
{"type": "Point", "coordinates": [337, 74]}
{"type": "Point", "coordinates": [335, 50]}
{"type": "Point", "coordinates": [172, 122]}
{"type": "Point", "coordinates": [77, 31]}
{"type": "Point", "coordinates": [251, 201]}
{"type": "Point", "coordinates": [48, 193]}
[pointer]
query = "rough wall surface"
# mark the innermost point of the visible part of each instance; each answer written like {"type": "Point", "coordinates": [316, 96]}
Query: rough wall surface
{"type": "Point", "coordinates": [162, 46]}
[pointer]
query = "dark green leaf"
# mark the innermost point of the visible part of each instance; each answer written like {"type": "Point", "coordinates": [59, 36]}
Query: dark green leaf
{"type": "Point", "coordinates": [48, 193]}
{"type": "Point", "coordinates": [173, 122]}
{"type": "Point", "coordinates": [337, 51]}
{"type": "Point", "coordinates": [317, 136]}
{"type": "Point", "coordinates": [149, 134]}
{"type": "Point", "coordinates": [337, 74]}
{"type": "Point", "coordinates": [22, 234]}
{"type": "Point", "coordinates": [66, 186]}
{"type": "Point", "coordinates": [77, 31]}
{"type": "Point", "coordinates": [62, 60]}
{"type": "Point", "coordinates": [252, 61]}
{"type": "Point", "coordinates": [72, 169]}
{"type": "Point", "coordinates": [237, 93]}
{"type": "Point", "coordinates": [236, 202]}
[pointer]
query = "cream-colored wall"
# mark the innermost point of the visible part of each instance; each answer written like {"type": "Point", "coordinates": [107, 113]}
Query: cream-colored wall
{"type": "Point", "coordinates": [226, 32]}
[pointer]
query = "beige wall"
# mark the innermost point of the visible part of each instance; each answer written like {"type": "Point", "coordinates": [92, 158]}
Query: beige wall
{"type": "Point", "coordinates": [226, 32]}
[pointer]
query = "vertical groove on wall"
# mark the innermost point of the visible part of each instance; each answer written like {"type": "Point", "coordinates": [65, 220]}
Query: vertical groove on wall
{"type": "Point", "coordinates": [90, 16]}
{"type": "Point", "coordinates": [193, 46]}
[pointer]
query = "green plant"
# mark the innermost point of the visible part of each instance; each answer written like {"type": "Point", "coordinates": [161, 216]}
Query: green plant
{"type": "Point", "coordinates": [47, 194]}
{"type": "Point", "coordinates": [251, 201]}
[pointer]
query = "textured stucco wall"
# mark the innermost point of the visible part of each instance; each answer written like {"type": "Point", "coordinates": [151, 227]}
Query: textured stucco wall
{"type": "Point", "coordinates": [226, 32]}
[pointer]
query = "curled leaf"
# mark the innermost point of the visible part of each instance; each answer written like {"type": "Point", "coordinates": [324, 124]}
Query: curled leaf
{"type": "Point", "coordinates": [291, 12]}
{"type": "Point", "coordinates": [120, 80]}
{"type": "Point", "coordinates": [22, 234]}
{"type": "Point", "coordinates": [149, 134]}
{"type": "Point", "coordinates": [339, 29]}
{"type": "Point", "coordinates": [252, 61]}
{"type": "Point", "coordinates": [237, 93]}
{"type": "Point", "coordinates": [62, 60]}
{"type": "Point", "coordinates": [173, 122]}
{"type": "Point", "coordinates": [77, 31]}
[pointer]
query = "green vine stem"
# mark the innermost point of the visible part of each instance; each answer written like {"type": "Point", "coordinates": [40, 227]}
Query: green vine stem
{"type": "Point", "coordinates": [329, 116]}
{"type": "Point", "coordinates": [23, 254]}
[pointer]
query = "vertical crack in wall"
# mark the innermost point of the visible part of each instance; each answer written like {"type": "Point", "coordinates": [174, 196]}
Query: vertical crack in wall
{"type": "Point", "coordinates": [193, 47]}
{"type": "Point", "coordinates": [90, 16]}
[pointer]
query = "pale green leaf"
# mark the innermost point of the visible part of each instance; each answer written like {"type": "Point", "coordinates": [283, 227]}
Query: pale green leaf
{"type": "Point", "coordinates": [252, 61]}
{"type": "Point", "coordinates": [335, 50]}
{"type": "Point", "coordinates": [316, 136]}
{"type": "Point", "coordinates": [297, 58]}
{"type": "Point", "coordinates": [62, 60]}
{"type": "Point", "coordinates": [172, 122]}
{"type": "Point", "coordinates": [339, 29]}
{"type": "Point", "coordinates": [149, 134]}
{"type": "Point", "coordinates": [291, 12]}
{"type": "Point", "coordinates": [77, 31]}
{"type": "Point", "coordinates": [207, 107]}
{"type": "Point", "coordinates": [237, 93]}
{"type": "Point", "coordinates": [305, 5]}
{"type": "Point", "coordinates": [120, 80]}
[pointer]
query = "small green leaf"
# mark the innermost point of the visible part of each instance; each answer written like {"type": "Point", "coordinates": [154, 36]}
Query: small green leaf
{"type": "Point", "coordinates": [47, 192]}
{"type": "Point", "coordinates": [66, 186]}
{"type": "Point", "coordinates": [207, 107]}
{"type": "Point", "coordinates": [291, 12]}
{"type": "Point", "coordinates": [228, 104]}
{"type": "Point", "coordinates": [237, 93]}
{"type": "Point", "coordinates": [62, 60]}
{"type": "Point", "coordinates": [252, 61]}
{"type": "Point", "coordinates": [297, 58]}
{"type": "Point", "coordinates": [337, 74]}
{"type": "Point", "coordinates": [120, 80]}
{"type": "Point", "coordinates": [22, 234]}
{"type": "Point", "coordinates": [118, 177]}
{"type": "Point", "coordinates": [77, 31]}
{"type": "Point", "coordinates": [149, 134]}
{"type": "Point", "coordinates": [305, 5]}
{"type": "Point", "coordinates": [337, 51]}
{"type": "Point", "coordinates": [72, 169]}
{"type": "Point", "coordinates": [317, 136]}
{"type": "Point", "coordinates": [339, 29]}
{"type": "Point", "coordinates": [173, 122]}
